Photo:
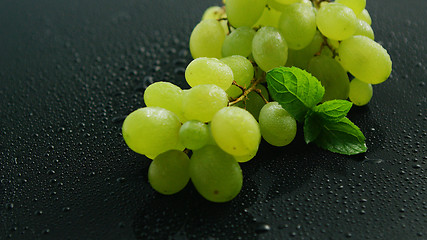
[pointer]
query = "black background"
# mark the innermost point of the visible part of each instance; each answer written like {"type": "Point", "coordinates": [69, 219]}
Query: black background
{"type": "Point", "coordinates": [71, 70]}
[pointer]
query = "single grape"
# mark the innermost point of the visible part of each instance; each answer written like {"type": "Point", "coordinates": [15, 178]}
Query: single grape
{"type": "Point", "coordinates": [209, 71]}
{"type": "Point", "coordinates": [246, 158]}
{"type": "Point", "coordinates": [278, 127]}
{"type": "Point", "coordinates": [336, 21]}
{"type": "Point", "coordinates": [360, 92]}
{"type": "Point", "coordinates": [194, 134]}
{"type": "Point", "coordinates": [300, 58]}
{"type": "Point", "coordinates": [332, 76]}
{"type": "Point", "coordinates": [365, 59]}
{"type": "Point", "coordinates": [243, 73]}
{"type": "Point", "coordinates": [238, 42]}
{"type": "Point", "coordinates": [151, 131]}
{"type": "Point", "coordinates": [269, 48]}
{"type": "Point", "coordinates": [206, 39]}
{"type": "Point", "coordinates": [364, 29]}
{"type": "Point", "coordinates": [215, 174]}
{"type": "Point", "coordinates": [356, 5]}
{"type": "Point", "coordinates": [280, 5]}
{"type": "Point", "coordinates": [203, 101]}
{"type": "Point", "coordinates": [236, 131]}
{"type": "Point", "coordinates": [165, 95]}
{"type": "Point", "coordinates": [254, 102]}
{"type": "Point", "coordinates": [169, 172]}
{"type": "Point", "coordinates": [270, 17]}
{"type": "Point", "coordinates": [298, 25]}
{"type": "Point", "coordinates": [244, 12]}
{"type": "Point", "coordinates": [364, 16]}
{"type": "Point", "coordinates": [216, 12]}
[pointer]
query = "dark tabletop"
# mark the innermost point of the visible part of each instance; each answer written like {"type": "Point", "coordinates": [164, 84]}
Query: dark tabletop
{"type": "Point", "coordinates": [70, 71]}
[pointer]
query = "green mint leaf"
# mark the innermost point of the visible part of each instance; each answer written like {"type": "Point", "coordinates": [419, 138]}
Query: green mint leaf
{"type": "Point", "coordinates": [341, 136]}
{"type": "Point", "coordinates": [295, 90]}
{"type": "Point", "coordinates": [312, 127]}
{"type": "Point", "coordinates": [333, 110]}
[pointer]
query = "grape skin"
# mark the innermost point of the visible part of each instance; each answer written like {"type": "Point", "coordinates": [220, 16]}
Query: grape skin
{"type": "Point", "coordinates": [269, 48]}
{"type": "Point", "coordinates": [360, 92]}
{"type": "Point", "coordinates": [209, 71]}
{"type": "Point", "coordinates": [169, 172]}
{"type": "Point", "coordinates": [215, 174]}
{"type": "Point", "coordinates": [278, 127]}
{"type": "Point", "coordinates": [194, 134]}
{"type": "Point", "coordinates": [336, 21]}
{"type": "Point", "coordinates": [206, 39]}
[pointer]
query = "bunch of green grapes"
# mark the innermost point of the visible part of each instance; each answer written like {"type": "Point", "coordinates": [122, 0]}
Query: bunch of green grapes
{"type": "Point", "coordinates": [221, 119]}
{"type": "Point", "coordinates": [274, 33]}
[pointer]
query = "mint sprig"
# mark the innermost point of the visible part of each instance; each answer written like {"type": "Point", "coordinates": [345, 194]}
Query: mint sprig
{"type": "Point", "coordinates": [298, 92]}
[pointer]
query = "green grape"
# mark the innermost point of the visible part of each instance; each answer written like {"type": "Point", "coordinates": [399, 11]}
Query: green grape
{"type": "Point", "coordinates": [165, 95]}
{"type": "Point", "coordinates": [326, 51]}
{"type": "Point", "coordinates": [244, 12]}
{"type": "Point", "coordinates": [194, 134]}
{"type": "Point", "coordinates": [246, 158]}
{"type": "Point", "coordinates": [203, 101]}
{"type": "Point", "coordinates": [151, 131]}
{"type": "Point", "coordinates": [298, 25]}
{"type": "Point", "coordinates": [356, 5]}
{"type": "Point", "coordinates": [235, 131]}
{"type": "Point", "coordinates": [254, 102]}
{"type": "Point", "coordinates": [364, 16]}
{"type": "Point", "coordinates": [336, 21]}
{"type": "Point", "coordinates": [216, 12]}
{"type": "Point", "coordinates": [360, 92]}
{"type": "Point", "coordinates": [332, 76]}
{"type": "Point", "coordinates": [206, 39]}
{"type": "Point", "coordinates": [238, 42]}
{"type": "Point", "coordinates": [300, 58]}
{"type": "Point", "coordinates": [169, 172]}
{"type": "Point", "coordinates": [365, 59]}
{"type": "Point", "coordinates": [270, 17]}
{"type": "Point", "coordinates": [215, 174]}
{"type": "Point", "coordinates": [364, 29]}
{"type": "Point", "coordinates": [280, 5]}
{"type": "Point", "coordinates": [243, 73]}
{"type": "Point", "coordinates": [269, 48]}
{"type": "Point", "coordinates": [278, 127]}
{"type": "Point", "coordinates": [209, 71]}
{"type": "Point", "coordinates": [333, 43]}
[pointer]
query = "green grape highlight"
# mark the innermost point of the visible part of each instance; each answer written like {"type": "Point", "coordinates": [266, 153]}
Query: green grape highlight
{"type": "Point", "coordinates": [244, 12]}
{"type": "Point", "coordinates": [364, 16]}
{"type": "Point", "coordinates": [194, 134]}
{"type": "Point", "coordinates": [169, 172]}
{"type": "Point", "coordinates": [203, 101]}
{"type": "Point", "coordinates": [151, 131]}
{"type": "Point", "coordinates": [209, 71]}
{"type": "Point", "coordinates": [298, 25]}
{"type": "Point", "coordinates": [278, 127]}
{"type": "Point", "coordinates": [336, 21]}
{"type": "Point", "coordinates": [269, 48]}
{"type": "Point", "coordinates": [360, 92]}
{"type": "Point", "coordinates": [243, 73]}
{"type": "Point", "coordinates": [238, 42]}
{"type": "Point", "coordinates": [215, 174]}
{"type": "Point", "coordinates": [206, 39]}
{"type": "Point", "coordinates": [364, 29]}
{"type": "Point", "coordinates": [332, 76]}
{"type": "Point", "coordinates": [365, 59]}
{"type": "Point", "coordinates": [356, 5]}
{"type": "Point", "coordinates": [236, 131]}
{"type": "Point", "coordinates": [165, 95]}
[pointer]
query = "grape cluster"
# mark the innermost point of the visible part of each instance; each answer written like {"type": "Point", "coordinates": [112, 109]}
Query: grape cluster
{"type": "Point", "coordinates": [220, 120]}
{"type": "Point", "coordinates": [329, 39]}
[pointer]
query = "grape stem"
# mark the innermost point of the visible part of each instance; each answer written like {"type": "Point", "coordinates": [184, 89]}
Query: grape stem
{"type": "Point", "coordinates": [316, 3]}
{"type": "Point", "coordinates": [247, 91]}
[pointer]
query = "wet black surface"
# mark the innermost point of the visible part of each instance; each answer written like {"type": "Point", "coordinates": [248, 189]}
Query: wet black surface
{"type": "Point", "coordinates": [71, 70]}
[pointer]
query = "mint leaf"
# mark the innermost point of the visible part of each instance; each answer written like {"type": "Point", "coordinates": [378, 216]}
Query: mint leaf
{"type": "Point", "coordinates": [333, 110]}
{"type": "Point", "coordinates": [341, 136]}
{"type": "Point", "coordinates": [295, 90]}
{"type": "Point", "coordinates": [312, 127]}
